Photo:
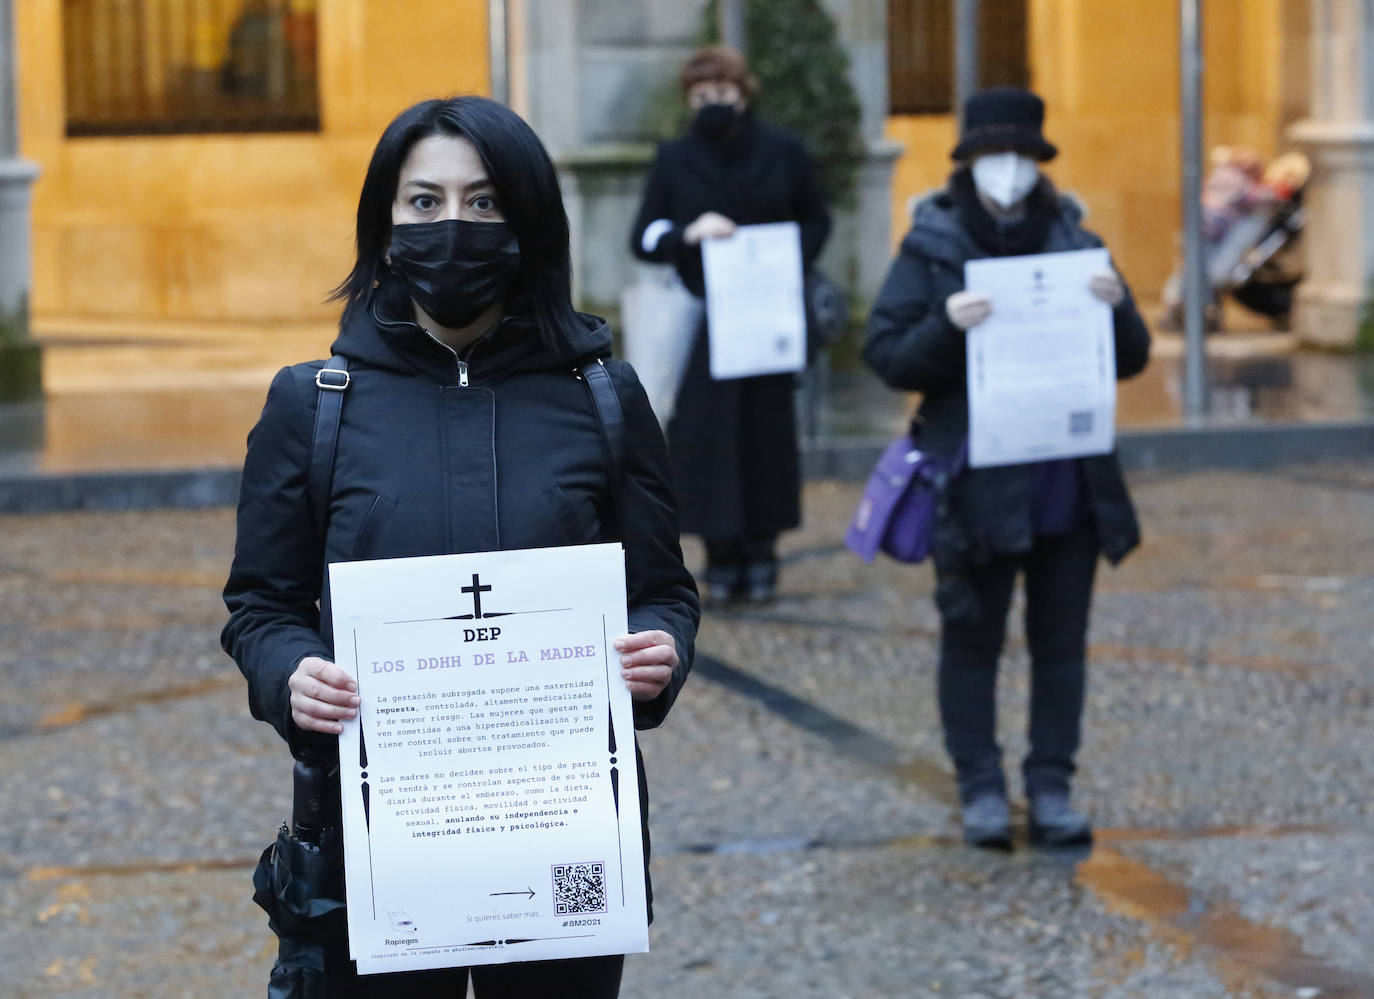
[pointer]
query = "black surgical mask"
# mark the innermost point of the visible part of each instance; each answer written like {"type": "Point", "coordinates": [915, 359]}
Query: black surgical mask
{"type": "Point", "coordinates": [455, 270]}
{"type": "Point", "coordinates": [713, 121]}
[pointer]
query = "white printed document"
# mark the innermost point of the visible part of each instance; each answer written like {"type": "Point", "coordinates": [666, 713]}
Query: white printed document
{"type": "Point", "coordinates": [1042, 367]}
{"type": "Point", "coordinates": [755, 305]}
{"type": "Point", "coordinates": [490, 796]}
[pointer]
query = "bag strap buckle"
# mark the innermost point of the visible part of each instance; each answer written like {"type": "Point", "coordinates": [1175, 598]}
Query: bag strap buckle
{"type": "Point", "coordinates": [333, 379]}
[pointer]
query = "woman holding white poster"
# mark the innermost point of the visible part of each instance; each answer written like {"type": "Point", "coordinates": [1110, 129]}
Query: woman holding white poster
{"type": "Point", "coordinates": [466, 425]}
{"type": "Point", "coordinates": [1049, 520]}
{"type": "Point", "coordinates": [733, 441]}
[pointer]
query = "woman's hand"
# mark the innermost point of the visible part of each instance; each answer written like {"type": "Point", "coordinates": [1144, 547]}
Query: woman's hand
{"type": "Point", "coordinates": [1108, 287]}
{"type": "Point", "coordinates": [322, 696]}
{"type": "Point", "coordinates": [709, 225]}
{"type": "Point", "coordinates": [966, 309]}
{"type": "Point", "coordinates": [647, 661]}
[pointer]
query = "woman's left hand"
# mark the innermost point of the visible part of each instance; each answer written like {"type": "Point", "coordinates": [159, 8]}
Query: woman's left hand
{"type": "Point", "coordinates": [647, 661]}
{"type": "Point", "coordinates": [1109, 287]}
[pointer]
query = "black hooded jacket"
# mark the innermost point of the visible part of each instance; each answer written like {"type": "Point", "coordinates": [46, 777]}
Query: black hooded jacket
{"type": "Point", "coordinates": [913, 346]}
{"type": "Point", "coordinates": [440, 454]}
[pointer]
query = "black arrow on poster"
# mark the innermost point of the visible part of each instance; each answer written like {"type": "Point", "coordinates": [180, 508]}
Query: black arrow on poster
{"type": "Point", "coordinates": [527, 891]}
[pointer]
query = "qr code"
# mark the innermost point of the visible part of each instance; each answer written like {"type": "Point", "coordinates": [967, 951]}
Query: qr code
{"type": "Point", "coordinates": [1081, 422]}
{"type": "Point", "coordinates": [579, 888]}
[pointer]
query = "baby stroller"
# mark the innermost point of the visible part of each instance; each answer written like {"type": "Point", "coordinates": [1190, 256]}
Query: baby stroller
{"type": "Point", "coordinates": [1252, 227]}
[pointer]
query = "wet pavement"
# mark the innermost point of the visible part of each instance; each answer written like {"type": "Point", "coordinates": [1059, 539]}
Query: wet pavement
{"type": "Point", "coordinates": [805, 839]}
{"type": "Point", "coordinates": [150, 398]}
{"type": "Point", "coordinates": [168, 398]}
{"type": "Point", "coordinates": [1254, 377]}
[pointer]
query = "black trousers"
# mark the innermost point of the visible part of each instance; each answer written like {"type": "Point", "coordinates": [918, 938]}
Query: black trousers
{"type": "Point", "coordinates": [1059, 574]}
{"type": "Point", "coordinates": [578, 978]}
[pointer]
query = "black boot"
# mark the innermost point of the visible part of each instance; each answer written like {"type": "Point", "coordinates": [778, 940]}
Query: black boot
{"type": "Point", "coordinates": [760, 582]}
{"type": "Point", "coordinates": [987, 821]}
{"type": "Point", "coordinates": [722, 584]}
{"type": "Point", "coordinates": [1055, 822]}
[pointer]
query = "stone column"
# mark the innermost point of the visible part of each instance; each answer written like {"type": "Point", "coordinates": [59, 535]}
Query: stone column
{"type": "Point", "coordinates": [590, 76]}
{"type": "Point", "coordinates": [20, 369]}
{"type": "Point", "coordinates": [1339, 203]}
{"type": "Point", "coordinates": [860, 250]}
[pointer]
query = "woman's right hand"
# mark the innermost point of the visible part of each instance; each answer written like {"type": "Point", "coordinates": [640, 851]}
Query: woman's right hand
{"type": "Point", "coordinates": [966, 309]}
{"type": "Point", "coordinates": [322, 696]}
{"type": "Point", "coordinates": [708, 225]}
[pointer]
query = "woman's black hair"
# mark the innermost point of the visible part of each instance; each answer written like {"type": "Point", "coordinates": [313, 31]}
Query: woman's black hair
{"type": "Point", "coordinates": [527, 193]}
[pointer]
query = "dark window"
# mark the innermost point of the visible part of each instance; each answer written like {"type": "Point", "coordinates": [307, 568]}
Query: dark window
{"type": "Point", "coordinates": [153, 67]}
{"type": "Point", "coordinates": [920, 51]}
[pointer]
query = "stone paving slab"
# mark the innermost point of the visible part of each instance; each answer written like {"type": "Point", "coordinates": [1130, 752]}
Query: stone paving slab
{"type": "Point", "coordinates": [1286, 882]}
{"type": "Point", "coordinates": [876, 922]}
{"type": "Point", "coordinates": [905, 921]}
{"type": "Point", "coordinates": [805, 839]}
{"type": "Point", "coordinates": [155, 935]}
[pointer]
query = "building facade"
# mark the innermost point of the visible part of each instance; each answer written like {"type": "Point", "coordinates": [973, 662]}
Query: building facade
{"type": "Point", "coordinates": [201, 158]}
{"type": "Point", "coordinates": [146, 215]}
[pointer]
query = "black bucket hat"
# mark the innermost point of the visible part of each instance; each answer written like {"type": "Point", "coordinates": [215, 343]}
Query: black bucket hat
{"type": "Point", "coordinates": [1003, 118]}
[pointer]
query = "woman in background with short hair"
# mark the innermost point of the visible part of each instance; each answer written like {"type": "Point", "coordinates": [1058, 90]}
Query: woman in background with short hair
{"type": "Point", "coordinates": [733, 443]}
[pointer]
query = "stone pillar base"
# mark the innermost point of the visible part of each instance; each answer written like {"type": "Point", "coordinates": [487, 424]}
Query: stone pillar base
{"type": "Point", "coordinates": [20, 368]}
{"type": "Point", "coordinates": [1338, 237]}
{"type": "Point", "coordinates": [1328, 316]}
{"type": "Point", "coordinates": [860, 250]}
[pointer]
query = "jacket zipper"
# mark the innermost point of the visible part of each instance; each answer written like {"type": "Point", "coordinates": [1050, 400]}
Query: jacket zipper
{"type": "Point", "coordinates": [462, 364]}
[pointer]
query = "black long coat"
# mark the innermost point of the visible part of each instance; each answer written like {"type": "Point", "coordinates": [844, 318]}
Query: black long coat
{"type": "Point", "coordinates": [913, 346]}
{"type": "Point", "coordinates": [436, 455]}
{"type": "Point", "coordinates": [733, 443]}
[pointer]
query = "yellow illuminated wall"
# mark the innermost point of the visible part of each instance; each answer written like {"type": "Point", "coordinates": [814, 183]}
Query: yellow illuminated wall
{"type": "Point", "coordinates": [1109, 76]}
{"type": "Point", "coordinates": [242, 228]}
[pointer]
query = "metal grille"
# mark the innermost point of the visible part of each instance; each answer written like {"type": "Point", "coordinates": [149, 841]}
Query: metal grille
{"type": "Point", "coordinates": [154, 67]}
{"type": "Point", "coordinates": [920, 41]}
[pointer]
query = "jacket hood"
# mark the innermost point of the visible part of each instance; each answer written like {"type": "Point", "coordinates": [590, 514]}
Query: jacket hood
{"type": "Point", "coordinates": [937, 230]}
{"type": "Point", "coordinates": [380, 332]}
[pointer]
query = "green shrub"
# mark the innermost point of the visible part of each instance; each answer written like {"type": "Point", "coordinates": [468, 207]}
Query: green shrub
{"type": "Point", "coordinates": [1364, 335]}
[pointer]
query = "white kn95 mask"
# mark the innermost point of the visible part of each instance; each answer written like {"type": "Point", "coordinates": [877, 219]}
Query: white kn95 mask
{"type": "Point", "coordinates": [1005, 178]}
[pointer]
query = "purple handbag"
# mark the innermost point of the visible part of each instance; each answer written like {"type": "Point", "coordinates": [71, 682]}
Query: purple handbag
{"type": "Point", "coordinates": [897, 511]}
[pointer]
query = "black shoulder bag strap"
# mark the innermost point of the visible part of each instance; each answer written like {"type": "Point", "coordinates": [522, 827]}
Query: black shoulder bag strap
{"type": "Point", "coordinates": [332, 381]}
{"type": "Point", "coordinates": [611, 418]}
{"type": "Point", "coordinates": [315, 782]}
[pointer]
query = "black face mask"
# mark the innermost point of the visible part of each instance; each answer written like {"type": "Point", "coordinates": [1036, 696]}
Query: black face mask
{"type": "Point", "coordinates": [455, 270]}
{"type": "Point", "coordinates": [714, 121]}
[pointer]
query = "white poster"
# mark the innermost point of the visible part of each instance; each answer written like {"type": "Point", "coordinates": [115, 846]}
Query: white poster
{"type": "Point", "coordinates": [490, 798]}
{"type": "Point", "coordinates": [1042, 366]}
{"type": "Point", "coordinates": [755, 304]}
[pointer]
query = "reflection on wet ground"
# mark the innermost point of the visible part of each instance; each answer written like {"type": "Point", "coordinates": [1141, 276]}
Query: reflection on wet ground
{"type": "Point", "coordinates": [152, 400]}
{"type": "Point", "coordinates": [1243, 950]}
{"type": "Point", "coordinates": [187, 401]}
{"type": "Point", "coordinates": [1251, 376]}
{"type": "Point", "coordinates": [77, 711]}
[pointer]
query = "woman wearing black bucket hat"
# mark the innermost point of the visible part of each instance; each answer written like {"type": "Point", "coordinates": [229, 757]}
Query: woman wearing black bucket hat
{"type": "Point", "coordinates": [1050, 521]}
